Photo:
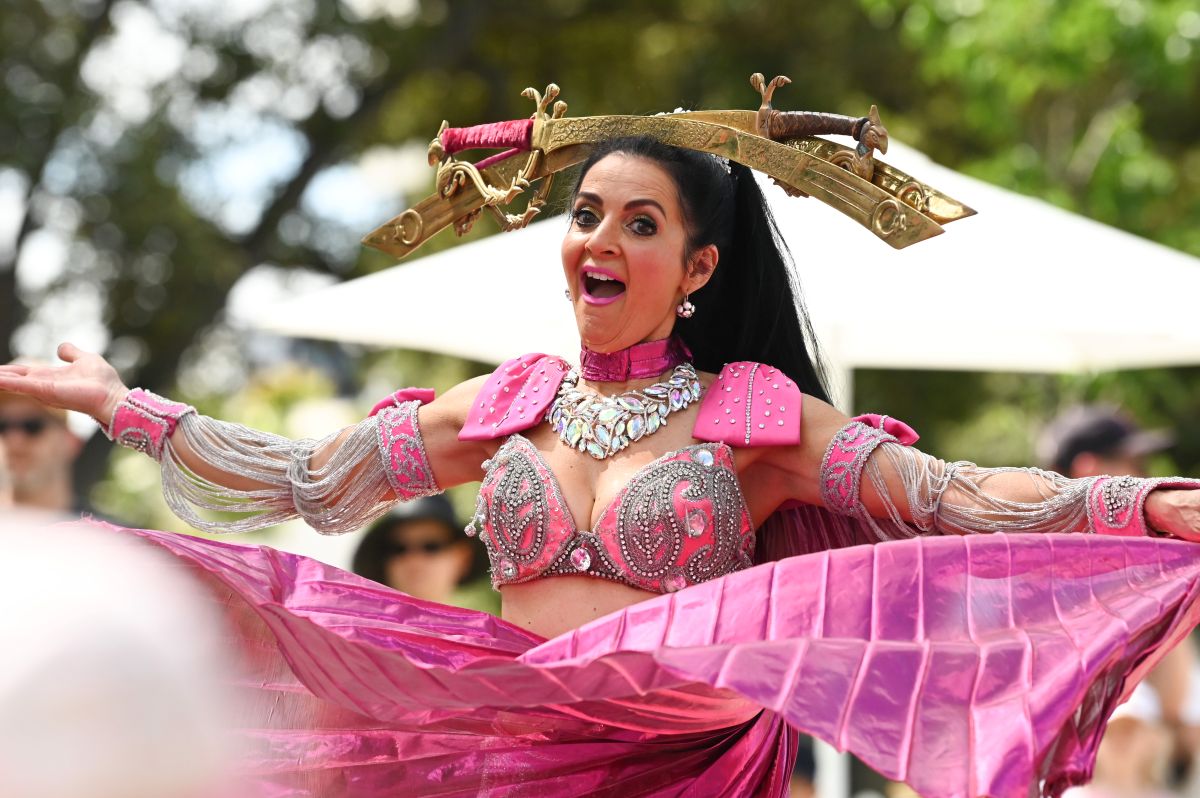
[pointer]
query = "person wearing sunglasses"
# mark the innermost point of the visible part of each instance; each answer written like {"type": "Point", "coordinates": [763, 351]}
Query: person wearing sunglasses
{"type": "Point", "coordinates": [418, 548]}
{"type": "Point", "coordinates": [41, 452]}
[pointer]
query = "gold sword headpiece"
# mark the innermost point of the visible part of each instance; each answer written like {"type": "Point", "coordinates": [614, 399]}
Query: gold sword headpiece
{"type": "Point", "coordinates": [785, 145]}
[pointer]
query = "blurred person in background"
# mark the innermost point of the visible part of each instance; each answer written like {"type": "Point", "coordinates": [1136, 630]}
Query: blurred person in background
{"type": "Point", "coordinates": [804, 772]}
{"type": "Point", "coordinates": [1091, 440]}
{"type": "Point", "coordinates": [418, 548]}
{"type": "Point", "coordinates": [41, 454]}
{"type": "Point", "coordinates": [1134, 760]}
{"type": "Point", "coordinates": [1151, 741]}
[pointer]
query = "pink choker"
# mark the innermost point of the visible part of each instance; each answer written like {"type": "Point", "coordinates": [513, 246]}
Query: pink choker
{"type": "Point", "coordinates": [648, 359]}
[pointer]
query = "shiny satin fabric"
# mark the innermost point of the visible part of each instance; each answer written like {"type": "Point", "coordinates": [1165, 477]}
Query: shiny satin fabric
{"type": "Point", "coordinates": [963, 666]}
{"type": "Point", "coordinates": [647, 359]}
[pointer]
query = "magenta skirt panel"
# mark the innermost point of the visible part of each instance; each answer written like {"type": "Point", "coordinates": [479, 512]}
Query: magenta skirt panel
{"type": "Point", "coordinates": [964, 666]}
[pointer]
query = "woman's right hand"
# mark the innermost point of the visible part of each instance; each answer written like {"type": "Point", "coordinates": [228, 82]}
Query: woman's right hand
{"type": "Point", "coordinates": [87, 383]}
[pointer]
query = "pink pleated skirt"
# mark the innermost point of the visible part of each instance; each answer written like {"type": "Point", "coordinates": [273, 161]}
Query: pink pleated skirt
{"type": "Point", "coordinates": [964, 666]}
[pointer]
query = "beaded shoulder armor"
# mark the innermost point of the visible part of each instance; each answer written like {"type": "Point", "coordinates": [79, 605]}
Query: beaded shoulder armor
{"type": "Point", "coordinates": [515, 397]}
{"type": "Point", "coordinates": [679, 521]}
{"type": "Point", "coordinates": [750, 404]}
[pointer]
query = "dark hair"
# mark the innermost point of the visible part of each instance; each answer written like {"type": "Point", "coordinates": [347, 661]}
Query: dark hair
{"type": "Point", "coordinates": [751, 308]}
{"type": "Point", "coordinates": [371, 556]}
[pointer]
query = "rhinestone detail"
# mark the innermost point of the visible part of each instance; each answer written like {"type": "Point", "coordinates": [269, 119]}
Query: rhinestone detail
{"type": "Point", "coordinates": [581, 559]}
{"type": "Point", "coordinates": [601, 425]}
{"type": "Point", "coordinates": [679, 521]}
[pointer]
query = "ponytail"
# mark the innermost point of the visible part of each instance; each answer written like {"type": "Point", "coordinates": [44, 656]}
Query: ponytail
{"type": "Point", "coordinates": [751, 308]}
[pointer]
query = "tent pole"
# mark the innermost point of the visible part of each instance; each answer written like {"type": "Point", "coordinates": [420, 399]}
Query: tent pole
{"type": "Point", "coordinates": [833, 771]}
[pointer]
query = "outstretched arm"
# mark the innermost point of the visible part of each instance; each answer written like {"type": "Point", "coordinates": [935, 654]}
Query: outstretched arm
{"type": "Point", "coordinates": [336, 484]}
{"type": "Point", "coordinates": [858, 469]}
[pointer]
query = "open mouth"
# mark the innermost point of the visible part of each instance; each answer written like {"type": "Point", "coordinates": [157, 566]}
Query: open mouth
{"type": "Point", "coordinates": [601, 287]}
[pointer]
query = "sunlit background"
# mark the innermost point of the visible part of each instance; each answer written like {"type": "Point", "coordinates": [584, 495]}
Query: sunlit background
{"type": "Point", "coordinates": [170, 169]}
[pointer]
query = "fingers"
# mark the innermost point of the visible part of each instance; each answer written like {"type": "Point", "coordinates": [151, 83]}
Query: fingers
{"type": "Point", "coordinates": [12, 377]}
{"type": "Point", "coordinates": [18, 383]}
{"type": "Point", "coordinates": [69, 352]}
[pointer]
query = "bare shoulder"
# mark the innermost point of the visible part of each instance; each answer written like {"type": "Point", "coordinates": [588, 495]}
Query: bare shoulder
{"type": "Point", "coordinates": [451, 407]}
{"type": "Point", "coordinates": [820, 416]}
{"type": "Point", "coordinates": [793, 471]}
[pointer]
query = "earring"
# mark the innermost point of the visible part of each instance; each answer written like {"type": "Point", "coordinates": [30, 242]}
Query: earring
{"type": "Point", "coordinates": [567, 293]}
{"type": "Point", "coordinates": [686, 309]}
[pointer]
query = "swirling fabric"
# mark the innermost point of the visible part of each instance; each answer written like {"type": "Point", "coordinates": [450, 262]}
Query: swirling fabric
{"type": "Point", "coordinates": [965, 666]}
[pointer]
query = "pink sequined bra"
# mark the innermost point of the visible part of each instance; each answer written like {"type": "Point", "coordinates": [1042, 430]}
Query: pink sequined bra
{"type": "Point", "coordinates": [680, 520]}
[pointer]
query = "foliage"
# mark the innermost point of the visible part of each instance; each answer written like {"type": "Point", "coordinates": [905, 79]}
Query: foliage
{"type": "Point", "coordinates": [1086, 104]}
{"type": "Point", "coordinates": [170, 148]}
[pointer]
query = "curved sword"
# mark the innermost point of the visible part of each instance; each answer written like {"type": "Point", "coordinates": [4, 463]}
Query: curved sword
{"type": "Point", "coordinates": [894, 206]}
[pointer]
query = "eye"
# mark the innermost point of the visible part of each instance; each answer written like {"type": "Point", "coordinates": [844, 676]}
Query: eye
{"type": "Point", "coordinates": [643, 226]}
{"type": "Point", "coordinates": [584, 217]}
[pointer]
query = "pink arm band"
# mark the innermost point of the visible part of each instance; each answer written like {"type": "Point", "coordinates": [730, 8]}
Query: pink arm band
{"type": "Point", "coordinates": [841, 470]}
{"type": "Point", "coordinates": [144, 420]}
{"type": "Point", "coordinates": [401, 446]}
{"type": "Point", "coordinates": [1115, 505]}
{"type": "Point", "coordinates": [1103, 505]}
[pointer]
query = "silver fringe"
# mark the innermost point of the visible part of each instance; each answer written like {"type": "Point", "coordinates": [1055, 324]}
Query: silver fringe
{"type": "Point", "coordinates": [955, 498]}
{"type": "Point", "coordinates": [348, 492]}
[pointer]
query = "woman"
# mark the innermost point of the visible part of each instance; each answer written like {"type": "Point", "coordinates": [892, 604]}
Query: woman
{"type": "Point", "coordinates": [964, 665]}
{"type": "Point", "coordinates": [418, 548]}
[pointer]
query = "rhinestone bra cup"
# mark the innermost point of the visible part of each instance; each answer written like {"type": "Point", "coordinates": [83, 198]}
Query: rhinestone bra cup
{"type": "Point", "coordinates": [679, 521]}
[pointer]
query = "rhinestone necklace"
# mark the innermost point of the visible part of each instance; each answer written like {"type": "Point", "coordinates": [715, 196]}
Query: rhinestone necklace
{"type": "Point", "coordinates": [604, 425]}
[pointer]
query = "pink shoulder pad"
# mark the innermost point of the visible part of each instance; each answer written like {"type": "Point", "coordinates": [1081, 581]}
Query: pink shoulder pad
{"type": "Point", "coordinates": [514, 398]}
{"type": "Point", "coordinates": [395, 399]}
{"type": "Point", "coordinates": [750, 404]}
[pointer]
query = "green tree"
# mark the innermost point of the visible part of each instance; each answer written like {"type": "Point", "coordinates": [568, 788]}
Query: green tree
{"type": "Point", "coordinates": [1088, 104]}
{"type": "Point", "coordinates": [131, 117]}
{"type": "Point", "coordinates": [166, 150]}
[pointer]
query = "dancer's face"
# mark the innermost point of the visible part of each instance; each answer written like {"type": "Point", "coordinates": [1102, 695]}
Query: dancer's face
{"type": "Point", "coordinates": [627, 226]}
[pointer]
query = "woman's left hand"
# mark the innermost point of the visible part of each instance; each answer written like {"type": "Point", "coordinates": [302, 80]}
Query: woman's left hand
{"type": "Point", "coordinates": [1174, 512]}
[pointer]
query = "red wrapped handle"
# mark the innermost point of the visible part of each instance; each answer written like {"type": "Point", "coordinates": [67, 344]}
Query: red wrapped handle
{"type": "Point", "coordinates": [516, 134]}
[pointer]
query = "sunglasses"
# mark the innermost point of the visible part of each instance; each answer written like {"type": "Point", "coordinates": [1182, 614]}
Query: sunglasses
{"type": "Point", "coordinates": [32, 427]}
{"type": "Point", "coordinates": [427, 547]}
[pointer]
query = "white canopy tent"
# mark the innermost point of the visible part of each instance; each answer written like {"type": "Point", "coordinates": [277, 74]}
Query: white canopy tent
{"type": "Point", "coordinates": [1023, 286]}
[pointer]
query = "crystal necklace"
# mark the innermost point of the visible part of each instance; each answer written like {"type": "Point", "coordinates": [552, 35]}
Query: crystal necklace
{"type": "Point", "coordinates": [604, 425]}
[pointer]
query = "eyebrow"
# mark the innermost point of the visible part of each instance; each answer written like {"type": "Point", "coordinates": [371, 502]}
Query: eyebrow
{"type": "Point", "coordinates": [634, 203]}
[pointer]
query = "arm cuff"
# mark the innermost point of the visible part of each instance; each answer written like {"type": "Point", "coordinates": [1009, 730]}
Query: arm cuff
{"type": "Point", "coordinates": [144, 421]}
{"type": "Point", "coordinates": [1116, 505]}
